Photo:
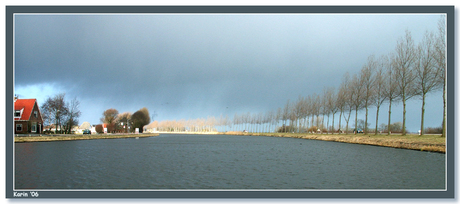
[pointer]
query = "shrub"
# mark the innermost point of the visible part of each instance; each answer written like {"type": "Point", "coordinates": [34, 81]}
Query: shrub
{"type": "Point", "coordinates": [99, 129]}
{"type": "Point", "coordinates": [286, 128]}
{"type": "Point", "coordinates": [431, 130]}
{"type": "Point", "coordinates": [48, 132]}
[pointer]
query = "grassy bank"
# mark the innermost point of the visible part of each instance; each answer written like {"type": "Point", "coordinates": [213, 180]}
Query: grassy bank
{"type": "Point", "coordinates": [432, 143]}
{"type": "Point", "coordinates": [78, 137]}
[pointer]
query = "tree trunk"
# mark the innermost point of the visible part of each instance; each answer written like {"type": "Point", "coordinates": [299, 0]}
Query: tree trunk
{"type": "Point", "coordinates": [377, 120]}
{"type": "Point", "coordinates": [423, 113]}
{"type": "Point", "coordinates": [317, 122]}
{"type": "Point", "coordinates": [340, 121]}
{"type": "Point", "coordinates": [444, 110]}
{"type": "Point", "coordinates": [333, 123]}
{"type": "Point", "coordinates": [306, 123]}
{"type": "Point", "coordinates": [348, 120]}
{"type": "Point", "coordinates": [389, 118]}
{"type": "Point", "coordinates": [312, 118]}
{"type": "Point", "coordinates": [404, 117]}
{"type": "Point", "coordinates": [356, 122]}
{"type": "Point", "coordinates": [322, 124]}
{"type": "Point", "coordinates": [365, 123]}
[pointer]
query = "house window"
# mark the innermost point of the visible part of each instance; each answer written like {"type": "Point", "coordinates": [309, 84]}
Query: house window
{"type": "Point", "coordinates": [17, 113]}
{"type": "Point", "coordinates": [19, 127]}
{"type": "Point", "coordinates": [34, 127]}
{"type": "Point", "coordinates": [36, 114]}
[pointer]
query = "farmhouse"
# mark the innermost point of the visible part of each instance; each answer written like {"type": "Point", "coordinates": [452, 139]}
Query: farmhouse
{"type": "Point", "coordinates": [27, 117]}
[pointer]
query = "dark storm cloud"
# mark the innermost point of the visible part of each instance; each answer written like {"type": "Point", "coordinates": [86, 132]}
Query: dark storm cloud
{"type": "Point", "coordinates": [198, 65]}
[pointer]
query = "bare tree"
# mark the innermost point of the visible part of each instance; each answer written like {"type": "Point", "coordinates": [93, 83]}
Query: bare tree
{"type": "Point", "coordinates": [426, 74]}
{"type": "Point", "coordinates": [380, 84]}
{"type": "Point", "coordinates": [299, 112]}
{"type": "Point", "coordinates": [315, 109]}
{"type": "Point", "coordinates": [260, 122]}
{"type": "Point", "coordinates": [271, 119]}
{"type": "Point", "coordinates": [279, 115]}
{"type": "Point", "coordinates": [56, 108]}
{"type": "Point", "coordinates": [330, 105]}
{"type": "Point", "coordinates": [367, 77]}
{"type": "Point", "coordinates": [210, 122]}
{"type": "Point", "coordinates": [286, 113]}
{"type": "Point", "coordinates": [334, 108]}
{"type": "Point", "coordinates": [391, 92]}
{"type": "Point", "coordinates": [323, 111]}
{"type": "Point", "coordinates": [304, 112]}
{"type": "Point", "coordinates": [236, 122]}
{"type": "Point", "coordinates": [308, 111]}
{"type": "Point", "coordinates": [405, 76]}
{"type": "Point", "coordinates": [181, 125]}
{"type": "Point", "coordinates": [346, 97]}
{"type": "Point", "coordinates": [440, 59]}
{"type": "Point", "coordinates": [225, 123]}
{"type": "Point", "coordinates": [341, 103]}
{"type": "Point", "coordinates": [356, 90]}
{"type": "Point", "coordinates": [348, 108]}
{"type": "Point", "coordinates": [73, 113]}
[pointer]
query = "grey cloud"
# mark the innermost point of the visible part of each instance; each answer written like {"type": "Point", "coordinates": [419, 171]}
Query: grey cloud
{"type": "Point", "coordinates": [201, 64]}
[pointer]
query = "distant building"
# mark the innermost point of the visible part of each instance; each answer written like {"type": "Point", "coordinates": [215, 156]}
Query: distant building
{"type": "Point", "coordinates": [93, 129]}
{"type": "Point", "coordinates": [27, 117]}
{"type": "Point", "coordinates": [82, 127]}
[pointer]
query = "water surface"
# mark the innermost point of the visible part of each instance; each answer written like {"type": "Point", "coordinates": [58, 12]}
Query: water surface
{"type": "Point", "coordinates": [222, 162]}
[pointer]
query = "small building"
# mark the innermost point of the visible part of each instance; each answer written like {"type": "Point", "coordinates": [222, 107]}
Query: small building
{"type": "Point", "coordinates": [27, 117]}
{"type": "Point", "coordinates": [82, 127]}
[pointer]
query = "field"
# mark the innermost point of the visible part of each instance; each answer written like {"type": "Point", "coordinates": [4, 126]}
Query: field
{"type": "Point", "coordinates": [432, 143]}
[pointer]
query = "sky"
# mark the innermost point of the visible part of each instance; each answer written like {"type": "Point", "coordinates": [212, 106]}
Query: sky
{"type": "Point", "coordinates": [188, 66]}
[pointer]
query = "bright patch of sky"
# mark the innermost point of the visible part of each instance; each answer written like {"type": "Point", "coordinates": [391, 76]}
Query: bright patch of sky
{"type": "Point", "coordinates": [39, 91]}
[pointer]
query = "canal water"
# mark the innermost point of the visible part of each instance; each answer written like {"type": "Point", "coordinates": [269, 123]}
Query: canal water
{"type": "Point", "coordinates": [222, 162]}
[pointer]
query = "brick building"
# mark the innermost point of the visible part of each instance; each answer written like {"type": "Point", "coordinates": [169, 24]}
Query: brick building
{"type": "Point", "coordinates": [27, 117]}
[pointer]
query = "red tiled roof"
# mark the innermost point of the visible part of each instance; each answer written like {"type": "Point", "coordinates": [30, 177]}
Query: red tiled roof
{"type": "Point", "coordinates": [27, 105]}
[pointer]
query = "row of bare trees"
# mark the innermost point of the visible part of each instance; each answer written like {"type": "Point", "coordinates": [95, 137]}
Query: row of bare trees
{"type": "Point", "coordinates": [252, 122]}
{"type": "Point", "coordinates": [192, 125]}
{"type": "Point", "coordinates": [411, 71]}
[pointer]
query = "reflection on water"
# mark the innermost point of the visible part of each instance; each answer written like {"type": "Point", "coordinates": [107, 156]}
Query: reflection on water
{"type": "Point", "coordinates": [222, 162]}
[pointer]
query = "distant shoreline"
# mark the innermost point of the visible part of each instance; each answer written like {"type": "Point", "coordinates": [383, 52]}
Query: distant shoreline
{"type": "Point", "coordinates": [73, 137]}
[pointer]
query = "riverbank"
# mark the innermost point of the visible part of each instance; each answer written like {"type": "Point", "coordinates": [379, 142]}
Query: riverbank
{"type": "Point", "coordinates": [50, 138]}
{"type": "Point", "coordinates": [431, 143]}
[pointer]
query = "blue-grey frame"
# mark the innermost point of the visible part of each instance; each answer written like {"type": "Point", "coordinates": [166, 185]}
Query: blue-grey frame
{"type": "Point", "coordinates": [448, 10]}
